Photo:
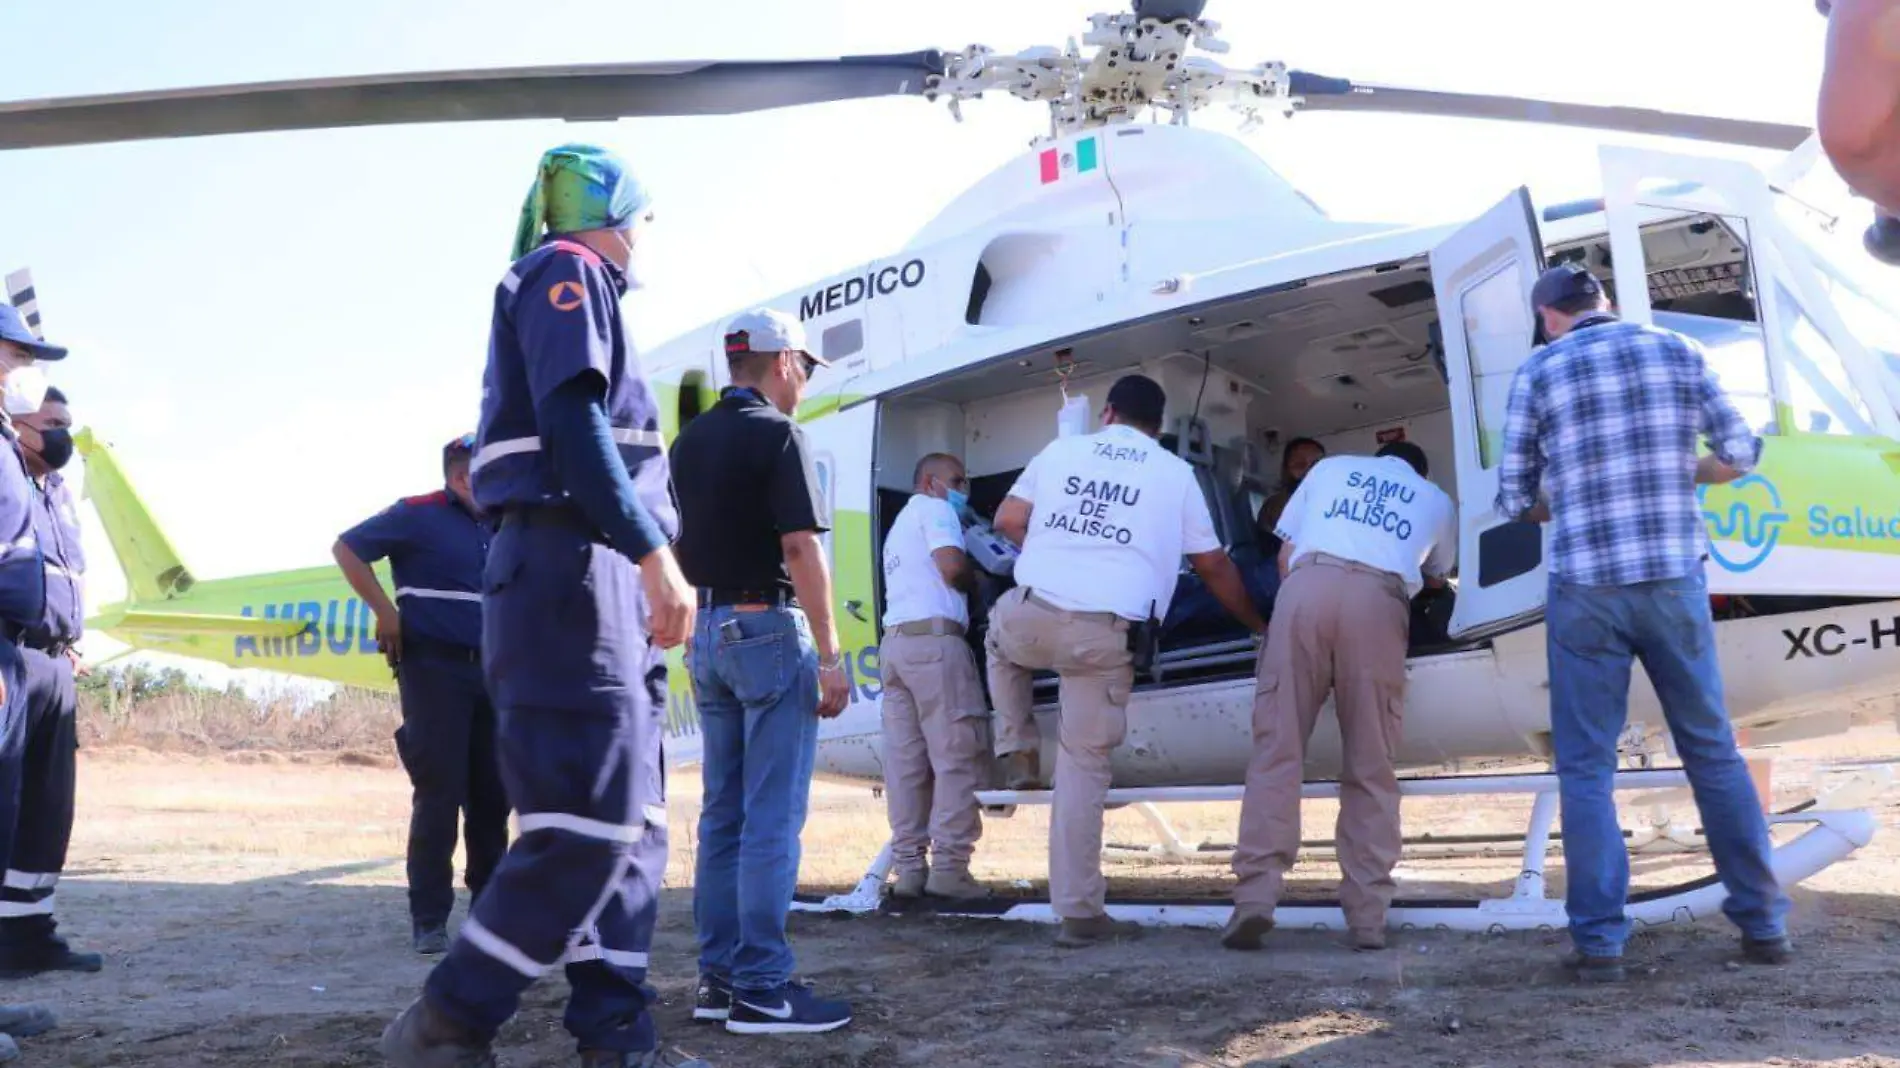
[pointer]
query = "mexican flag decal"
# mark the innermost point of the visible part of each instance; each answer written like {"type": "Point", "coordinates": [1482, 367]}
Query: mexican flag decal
{"type": "Point", "coordinates": [1058, 164]}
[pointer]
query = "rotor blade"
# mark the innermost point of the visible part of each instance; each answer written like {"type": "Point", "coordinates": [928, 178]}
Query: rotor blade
{"type": "Point", "coordinates": [1338, 94]}
{"type": "Point", "coordinates": [20, 294]}
{"type": "Point", "coordinates": [577, 93]}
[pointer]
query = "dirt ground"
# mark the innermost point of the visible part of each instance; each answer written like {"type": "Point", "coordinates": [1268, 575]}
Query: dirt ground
{"type": "Point", "coordinates": [252, 912]}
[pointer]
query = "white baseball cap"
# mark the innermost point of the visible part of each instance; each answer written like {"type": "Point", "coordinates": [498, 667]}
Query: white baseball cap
{"type": "Point", "coordinates": [767, 330]}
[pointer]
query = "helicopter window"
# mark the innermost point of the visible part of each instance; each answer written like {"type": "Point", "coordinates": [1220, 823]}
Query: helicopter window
{"type": "Point", "coordinates": [1823, 398]}
{"type": "Point", "coordinates": [1875, 325]}
{"type": "Point", "coordinates": [845, 339]}
{"type": "Point", "coordinates": [1738, 360]}
{"type": "Point", "coordinates": [691, 399]}
{"type": "Point", "coordinates": [1497, 326]}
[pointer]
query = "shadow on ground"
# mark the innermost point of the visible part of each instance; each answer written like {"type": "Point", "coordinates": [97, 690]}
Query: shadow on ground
{"type": "Point", "coordinates": [305, 970]}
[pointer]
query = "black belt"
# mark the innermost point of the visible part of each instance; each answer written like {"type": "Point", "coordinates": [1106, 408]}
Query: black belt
{"type": "Point", "coordinates": [777, 597]}
{"type": "Point", "coordinates": [549, 515]}
{"type": "Point", "coordinates": [52, 649]}
{"type": "Point", "coordinates": [429, 648]}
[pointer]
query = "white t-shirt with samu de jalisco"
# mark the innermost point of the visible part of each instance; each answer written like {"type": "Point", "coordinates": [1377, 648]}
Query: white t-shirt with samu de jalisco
{"type": "Point", "coordinates": [1111, 515]}
{"type": "Point", "coordinates": [1377, 512]}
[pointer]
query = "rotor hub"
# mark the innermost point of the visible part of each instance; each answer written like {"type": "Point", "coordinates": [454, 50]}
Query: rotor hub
{"type": "Point", "coordinates": [1141, 59]}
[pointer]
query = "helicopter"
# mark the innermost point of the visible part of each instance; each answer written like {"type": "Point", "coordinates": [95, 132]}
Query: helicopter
{"type": "Point", "coordinates": [1115, 245]}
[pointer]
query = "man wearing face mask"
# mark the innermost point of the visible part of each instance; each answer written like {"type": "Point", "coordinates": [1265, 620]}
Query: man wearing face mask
{"type": "Point", "coordinates": [766, 667]}
{"type": "Point", "coordinates": [936, 722]}
{"type": "Point", "coordinates": [28, 942]}
{"type": "Point", "coordinates": [1296, 460]}
{"type": "Point", "coordinates": [23, 389]}
{"type": "Point", "coordinates": [580, 598]}
{"type": "Point", "coordinates": [432, 636]}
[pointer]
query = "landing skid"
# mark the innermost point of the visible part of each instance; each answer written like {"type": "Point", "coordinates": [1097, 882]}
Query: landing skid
{"type": "Point", "coordinates": [1660, 831]}
{"type": "Point", "coordinates": [1831, 836]}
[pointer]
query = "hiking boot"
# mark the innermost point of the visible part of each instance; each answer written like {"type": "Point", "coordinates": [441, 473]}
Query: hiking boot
{"type": "Point", "coordinates": [1883, 239]}
{"type": "Point", "coordinates": [1077, 933]}
{"type": "Point", "coordinates": [1023, 770]}
{"type": "Point", "coordinates": [424, 1038]}
{"type": "Point", "coordinates": [21, 960]}
{"type": "Point", "coordinates": [955, 884]}
{"type": "Point", "coordinates": [1591, 969]}
{"type": "Point", "coordinates": [713, 1001]}
{"type": "Point", "coordinates": [1767, 950]}
{"type": "Point", "coordinates": [26, 1020]}
{"type": "Point", "coordinates": [1246, 927]}
{"type": "Point", "coordinates": [910, 884]}
{"type": "Point", "coordinates": [653, 1058]}
{"type": "Point", "coordinates": [792, 1009]}
{"type": "Point", "coordinates": [1367, 939]}
{"type": "Point", "coordinates": [430, 939]}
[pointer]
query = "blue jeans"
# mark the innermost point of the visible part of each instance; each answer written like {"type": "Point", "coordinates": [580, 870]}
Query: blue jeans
{"type": "Point", "coordinates": [758, 714]}
{"type": "Point", "coordinates": [1594, 631]}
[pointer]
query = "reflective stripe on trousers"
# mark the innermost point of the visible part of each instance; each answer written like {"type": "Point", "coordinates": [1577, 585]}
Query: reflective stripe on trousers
{"type": "Point", "coordinates": [36, 902]}
{"type": "Point", "coordinates": [48, 771]}
{"type": "Point", "coordinates": [575, 889]}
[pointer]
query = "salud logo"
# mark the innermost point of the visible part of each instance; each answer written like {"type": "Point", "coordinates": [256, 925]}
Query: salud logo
{"type": "Point", "coordinates": [1754, 518]}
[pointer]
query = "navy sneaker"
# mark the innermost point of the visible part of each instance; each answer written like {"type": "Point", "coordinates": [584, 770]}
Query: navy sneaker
{"type": "Point", "coordinates": [790, 1010]}
{"type": "Point", "coordinates": [714, 1000]}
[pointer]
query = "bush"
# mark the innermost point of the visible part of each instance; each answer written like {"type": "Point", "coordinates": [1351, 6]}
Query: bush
{"type": "Point", "coordinates": [165, 709]}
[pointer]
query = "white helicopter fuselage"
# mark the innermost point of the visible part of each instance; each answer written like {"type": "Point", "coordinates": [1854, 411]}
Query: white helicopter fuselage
{"type": "Point", "coordinates": [1468, 710]}
{"type": "Point", "coordinates": [1180, 253]}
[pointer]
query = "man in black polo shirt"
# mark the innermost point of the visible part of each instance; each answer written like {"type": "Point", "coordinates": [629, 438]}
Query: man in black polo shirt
{"type": "Point", "coordinates": [766, 667]}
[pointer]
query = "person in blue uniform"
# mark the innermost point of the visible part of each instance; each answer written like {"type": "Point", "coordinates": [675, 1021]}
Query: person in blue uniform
{"type": "Point", "coordinates": [23, 388]}
{"type": "Point", "coordinates": [431, 633]}
{"type": "Point", "coordinates": [580, 597]}
{"type": "Point", "coordinates": [29, 942]}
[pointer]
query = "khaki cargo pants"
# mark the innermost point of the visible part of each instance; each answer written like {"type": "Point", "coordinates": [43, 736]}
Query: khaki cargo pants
{"type": "Point", "coordinates": [1089, 652]}
{"type": "Point", "coordinates": [936, 745]}
{"type": "Point", "coordinates": [1342, 627]}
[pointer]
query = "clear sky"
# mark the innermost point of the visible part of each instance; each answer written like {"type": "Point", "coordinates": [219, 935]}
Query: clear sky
{"type": "Point", "coordinates": [278, 331]}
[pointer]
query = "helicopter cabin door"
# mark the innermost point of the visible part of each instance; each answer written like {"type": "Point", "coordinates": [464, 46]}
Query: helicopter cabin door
{"type": "Point", "coordinates": [1483, 275]}
{"type": "Point", "coordinates": [1800, 350]}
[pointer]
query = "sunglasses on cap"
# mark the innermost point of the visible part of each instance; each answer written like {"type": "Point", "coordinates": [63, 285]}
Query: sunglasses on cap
{"type": "Point", "coordinates": [464, 443]}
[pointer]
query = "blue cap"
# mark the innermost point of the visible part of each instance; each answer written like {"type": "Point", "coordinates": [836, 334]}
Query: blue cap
{"type": "Point", "coordinates": [1564, 282]}
{"type": "Point", "coordinates": [13, 328]}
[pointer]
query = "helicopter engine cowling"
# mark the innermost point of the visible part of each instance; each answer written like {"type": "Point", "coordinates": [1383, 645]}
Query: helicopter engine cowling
{"type": "Point", "coordinates": [1170, 10]}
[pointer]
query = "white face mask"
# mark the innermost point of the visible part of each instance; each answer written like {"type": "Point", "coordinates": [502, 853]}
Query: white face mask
{"type": "Point", "coordinates": [24, 390]}
{"type": "Point", "coordinates": [636, 266]}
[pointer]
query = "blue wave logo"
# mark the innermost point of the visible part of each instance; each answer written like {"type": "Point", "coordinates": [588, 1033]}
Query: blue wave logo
{"type": "Point", "coordinates": [1755, 520]}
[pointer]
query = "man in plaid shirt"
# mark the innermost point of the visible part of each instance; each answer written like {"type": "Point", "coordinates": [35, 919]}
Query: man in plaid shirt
{"type": "Point", "coordinates": [1603, 422]}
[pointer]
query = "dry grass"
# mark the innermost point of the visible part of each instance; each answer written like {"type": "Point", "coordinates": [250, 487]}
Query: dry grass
{"type": "Point", "coordinates": [166, 713]}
